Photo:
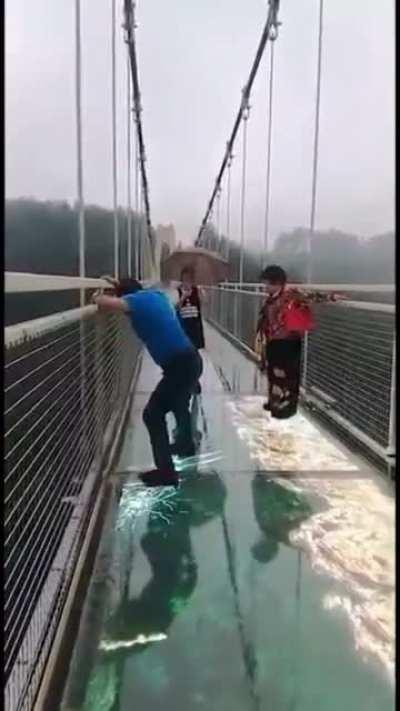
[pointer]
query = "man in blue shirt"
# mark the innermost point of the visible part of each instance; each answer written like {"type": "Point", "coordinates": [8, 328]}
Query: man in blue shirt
{"type": "Point", "coordinates": [154, 320]}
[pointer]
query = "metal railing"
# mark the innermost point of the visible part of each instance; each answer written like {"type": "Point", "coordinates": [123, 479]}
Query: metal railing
{"type": "Point", "coordinates": [67, 386]}
{"type": "Point", "coordinates": [350, 359]}
{"type": "Point", "coordinates": [368, 288]}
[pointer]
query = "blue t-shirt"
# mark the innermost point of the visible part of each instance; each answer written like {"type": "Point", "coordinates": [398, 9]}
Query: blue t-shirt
{"type": "Point", "coordinates": [155, 321]}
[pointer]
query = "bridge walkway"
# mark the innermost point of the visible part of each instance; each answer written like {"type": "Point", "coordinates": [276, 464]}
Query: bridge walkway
{"type": "Point", "coordinates": [266, 581]}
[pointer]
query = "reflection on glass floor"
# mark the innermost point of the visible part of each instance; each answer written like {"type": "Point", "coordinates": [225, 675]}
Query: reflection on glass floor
{"type": "Point", "coordinates": [255, 585]}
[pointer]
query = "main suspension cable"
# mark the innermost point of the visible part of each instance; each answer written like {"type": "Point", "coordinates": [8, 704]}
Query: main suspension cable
{"type": "Point", "coordinates": [269, 32]}
{"type": "Point", "coordinates": [129, 26]}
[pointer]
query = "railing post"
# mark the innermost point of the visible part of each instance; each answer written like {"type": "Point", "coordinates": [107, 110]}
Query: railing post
{"type": "Point", "coordinates": [225, 308]}
{"type": "Point", "coordinates": [235, 312]}
{"type": "Point", "coordinates": [98, 384]}
{"type": "Point", "coordinates": [256, 312]}
{"type": "Point", "coordinates": [214, 305]}
{"type": "Point", "coordinates": [391, 450]}
{"type": "Point", "coordinates": [82, 384]}
{"type": "Point", "coordinates": [305, 362]}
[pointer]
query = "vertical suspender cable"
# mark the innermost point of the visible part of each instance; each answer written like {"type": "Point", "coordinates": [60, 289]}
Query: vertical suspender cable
{"type": "Point", "coordinates": [316, 147]}
{"type": "Point", "coordinates": [78, 102]}
{"type": "Point", "coordinates": [269, 148]}
{"type": "Point", "coordinates": [129, 155]}
{"type": "Point", "coordinates": [314, 180]}
{"type": "Point", "coordinates": [209, 233]}
{"type": "Point", "coordinates": [218, 221]}
{"type": "Point", "coordinates": [141, 240]}
{"type": "Point", "coordinates": [81, 223]}
{"type": "Point", "coordinates": [114, 143]}
{"type": "Point", "coordinates": [137, 223]}
{"type": "Point", "coordinates": [228, 208]}
{"type": "Point", "coordinates": [243, 193]}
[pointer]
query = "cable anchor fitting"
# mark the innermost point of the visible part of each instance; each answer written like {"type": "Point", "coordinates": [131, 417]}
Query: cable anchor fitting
{"type": "Point", "coordinates": [273, 31]}
{"type": "Point", "coordinates": [245, 108]}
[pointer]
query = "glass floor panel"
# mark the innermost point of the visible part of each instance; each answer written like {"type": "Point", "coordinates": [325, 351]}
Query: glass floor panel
{"type": "Point", "coordinates": [265, 582]}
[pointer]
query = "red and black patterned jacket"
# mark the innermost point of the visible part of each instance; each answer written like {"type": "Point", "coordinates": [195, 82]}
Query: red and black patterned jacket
{"type": "Point", "coordinates": [271, 322]}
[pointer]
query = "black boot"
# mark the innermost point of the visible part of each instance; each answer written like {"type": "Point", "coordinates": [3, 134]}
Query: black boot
{"type": "Point", "coordinates": [183, 452]}
{"type": "Point", "coordinates": [160, 477]}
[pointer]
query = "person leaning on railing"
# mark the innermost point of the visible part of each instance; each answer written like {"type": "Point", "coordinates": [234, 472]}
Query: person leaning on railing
{"type": "Point", "coordinates": [285, 317]}
{"type": "Point", "coordinates": [154, 319]}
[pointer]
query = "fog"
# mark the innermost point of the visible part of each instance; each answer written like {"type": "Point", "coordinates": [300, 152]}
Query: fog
{"type": "Point", "coordinates": [194, 59]}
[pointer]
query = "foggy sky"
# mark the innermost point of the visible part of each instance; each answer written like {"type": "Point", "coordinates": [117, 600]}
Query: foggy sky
{"type": "Point", "coordinates": [194, 58]}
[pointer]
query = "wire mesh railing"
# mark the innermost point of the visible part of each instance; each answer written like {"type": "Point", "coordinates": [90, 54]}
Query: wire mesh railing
{"type": "Point", "coordinates": [350, 362]}
{"type": "Point", "coordinates": [67, 380]}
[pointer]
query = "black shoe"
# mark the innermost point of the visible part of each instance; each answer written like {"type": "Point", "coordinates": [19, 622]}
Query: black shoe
{"type": "Point", "coordinates": [160, 477]}
{"type": "Point", "coordinates": [182, 452]}
{"type": "Point", "coordinates": [267, 406]}
{"type": "Point", "coordinates": [285, 414]}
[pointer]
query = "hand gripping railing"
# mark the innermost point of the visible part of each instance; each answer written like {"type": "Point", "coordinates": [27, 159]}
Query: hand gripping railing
{"type": "Point", "coordinates": [68, 381]}
{"type": "Point", "coordinates": [350, 374]}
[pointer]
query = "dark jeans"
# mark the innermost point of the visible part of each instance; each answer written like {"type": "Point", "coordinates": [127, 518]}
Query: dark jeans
{"type": "Point", "coordinates": [172, 394]}
{"type": "Point", "coordinates": [283, 370]}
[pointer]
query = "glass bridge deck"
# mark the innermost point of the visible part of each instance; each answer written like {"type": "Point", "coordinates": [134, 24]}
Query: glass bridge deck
{"type": "Point", "coordinates": [265, 582]}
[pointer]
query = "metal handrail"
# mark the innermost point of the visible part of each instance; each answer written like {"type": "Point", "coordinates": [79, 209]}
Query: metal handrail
{"type": "Point", "coordinates": [25, 282]}
{"type": "Point", "coordinates": [384, 288]}
{"type": "Point", "coordinates": [19, 282]}
{"type": "Point", "coordinates": [349, 303]}
{"type": "Point", "coordinates": [19, 332]}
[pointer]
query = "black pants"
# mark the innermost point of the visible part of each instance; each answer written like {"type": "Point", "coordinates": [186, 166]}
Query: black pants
{"type": "Point", "coordinates": [283, 370]}
{"type": "Point", "coordinates": [172, 394]}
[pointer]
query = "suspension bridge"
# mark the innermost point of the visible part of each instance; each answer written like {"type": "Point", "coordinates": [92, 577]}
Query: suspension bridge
{"type": "Point", "coordinates": [266, 581]}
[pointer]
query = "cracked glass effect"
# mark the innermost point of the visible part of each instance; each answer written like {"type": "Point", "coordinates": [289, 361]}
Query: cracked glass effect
{"type": "Point", "coordinates": [255, 585]}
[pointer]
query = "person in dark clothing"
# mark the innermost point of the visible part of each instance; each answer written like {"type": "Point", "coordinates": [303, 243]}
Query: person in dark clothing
{"type": "Point", "coordinates": [189, 310]}
{"type": "Point", "coordinates": [189, 307]}
{"type": "Point", "coordinates": [154, 319]}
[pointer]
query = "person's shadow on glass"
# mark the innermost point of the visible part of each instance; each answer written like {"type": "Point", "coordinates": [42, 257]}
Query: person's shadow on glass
{"type": "Point", "coordinates": [278, 511]}
{"type": "Point", "coordinates": [168, 549]}
{"type": "Point", "coordinates": [138, 622]}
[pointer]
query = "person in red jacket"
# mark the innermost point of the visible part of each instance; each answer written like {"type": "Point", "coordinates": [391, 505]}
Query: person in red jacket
{"type": "Point", "coordinates": [284, 319]}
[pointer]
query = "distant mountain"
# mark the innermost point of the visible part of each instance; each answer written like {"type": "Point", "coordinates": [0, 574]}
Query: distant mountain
{"type": "Point", "coordinates": [336, 257]}
{"type": "Point", "coordinates": [42, 237]}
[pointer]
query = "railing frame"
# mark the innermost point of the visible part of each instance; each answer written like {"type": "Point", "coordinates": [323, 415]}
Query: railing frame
{"type": "Point", "coordinates": [107, 437]}
{"type": "Point", "coordinates": [309, 395]}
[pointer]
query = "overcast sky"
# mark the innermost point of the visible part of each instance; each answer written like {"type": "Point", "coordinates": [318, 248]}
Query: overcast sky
{"type": "Point", "coordinates": [194, 58]}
